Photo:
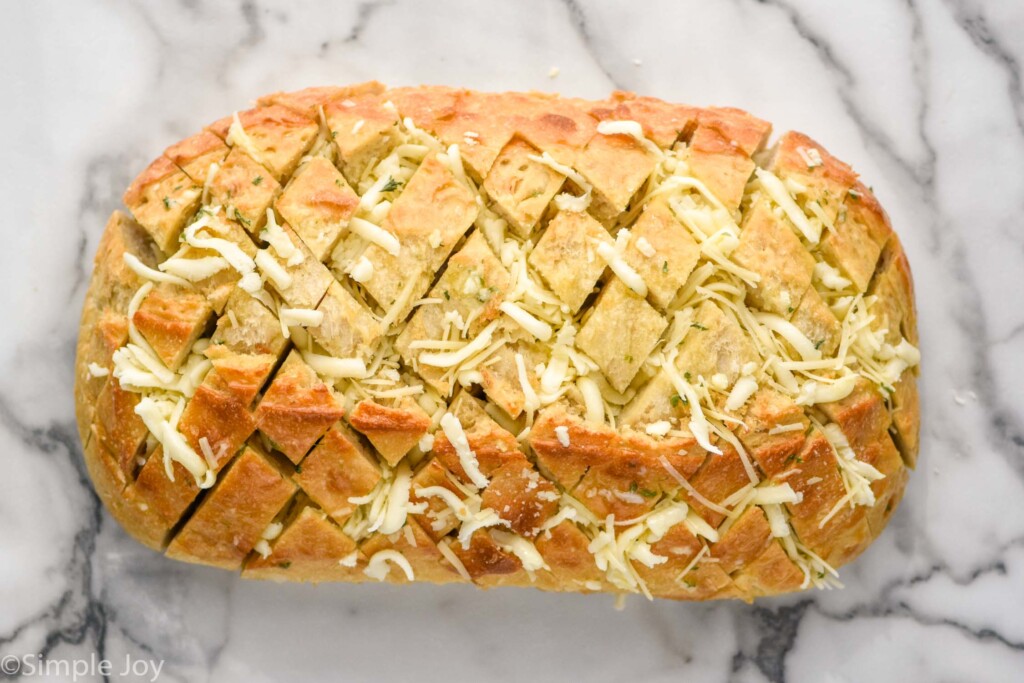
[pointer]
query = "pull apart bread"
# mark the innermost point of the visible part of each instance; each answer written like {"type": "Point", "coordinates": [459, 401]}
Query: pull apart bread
{"type": "Point", "coordinates": [428, 334]}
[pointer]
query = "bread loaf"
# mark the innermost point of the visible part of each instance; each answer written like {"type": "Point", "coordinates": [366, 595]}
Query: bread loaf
{"type": "Point", "coordinates": [428, 334]}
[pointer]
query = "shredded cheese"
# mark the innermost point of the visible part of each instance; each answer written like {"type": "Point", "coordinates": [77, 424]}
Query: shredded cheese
{"type": "Point", "coordinates": [523, 549]}
{"type": "Point", "coordinates": [157, 414]}
{"type": "Point", "coordinates": [538, 328]}
{"type": "Point", "coordinates": [775, 495]}
{"type": "Point", "coordinates": [780, 195]}
{"type": "Point", "coordinates": [630, 129]}
{"type": "Point", "coordinates": [144, 271]}
{"type": "Point", "coordinates": [741, 391]}
{"type": "Point", "coordinates": [338, 368]}
{"type": "Point", "coordinates": [303, 317]}
{"type": "Point", "coordinates": [281, 278]}
{"type": "Point", "coordinates": [375, 234]}
{"type": "Point", "coordinates": [645, 247]}
{"type": "Point", "coordinates": [618, 264]}
{"type": "Point", "coordinates": [194, 269]}
{"type": "Point", "coordinates": [659, 428]}
{"type": "Point", "coordinates": [565, 201]}
{"type": "Point", "coordinates": [592, 399]}
{"type": "Point", "coordinates": [377, 568]}
{"type": "Point", "coordinates": [237, 136]}
{"type": "Point", "coordinates": [452, 428]}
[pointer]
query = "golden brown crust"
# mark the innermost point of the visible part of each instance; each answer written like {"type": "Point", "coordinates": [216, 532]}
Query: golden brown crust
{"type": "Point", "coordinates": [161, 199]}
{"type": "Point", "coordinates": [171, 319]}
{"type": "Point", "coordinates": [393, 430]}
{"type": "Point", "coordinates": [229, 521]}
{"type": "Point", "coordinates": [297, 408]}
{"type": "Point", "coordinates": [195, 155]}
{"type": "Point", "coordinates": [286, 448]}
{"type": "Point", "coordinates": [307, 550]}
{"type": "Point", "coordinates": [338, 468]}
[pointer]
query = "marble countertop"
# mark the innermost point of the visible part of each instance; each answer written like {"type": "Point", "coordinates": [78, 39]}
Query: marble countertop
{"type": "Point", "coordinates": [924, 98]}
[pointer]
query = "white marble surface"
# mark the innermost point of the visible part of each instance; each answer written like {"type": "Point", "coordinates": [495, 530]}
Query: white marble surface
{"type": "Point", "coordinates": [924, 98]}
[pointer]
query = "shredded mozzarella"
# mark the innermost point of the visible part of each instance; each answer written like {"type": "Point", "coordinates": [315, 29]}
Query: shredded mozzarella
{"type": "Point", "coordinates": [144, 271]}
{"type": "Point", "coordinates": [626, 273]}
{"type": "Point", "coordinates": [375, 234]}
{"type": "Point", "coordinates": [362, 270]}
{"type": "Point", "coordinates": [592, 399]}
{"type": "Point", "coordinates": [538, 328]}
{"type": "Point", "coordinates": [280, 242]}
{"type": "Point", "coordinates": [281, 278]}
{"type": "Point", "coordinates": [302, 317]}
{"type": "Point", "coordinates": [830, 277]}
{"type": "Point", "coordinates": [659, 428]}
{"type": "Point", "coordinates": [452, 428]}
{"type": "Point", "coordinates": [741, 391]}
{"type": "Point", "coordinates": [523, 549]}
{"type": "Point", "coordinates": [339, 368]}
{"type": "Point", "coordinates": [157, 414]}
{"type": "Point", "coordinates": [775, 495]}
{"type": "Point", "coordinates": [566, 201]}
{"type": "Point", "coordinates": [377, 568]}
{"type": "Point", "coordinates": [631, 129]}
{"type": "Point", "coordinates": [194, 269]}
{"type": "Point", "coordinates": [780, 195]}
{"type": "Point", "coordinates": [448, 359]}
{"type": "Point", "coordinates": [238, 137]}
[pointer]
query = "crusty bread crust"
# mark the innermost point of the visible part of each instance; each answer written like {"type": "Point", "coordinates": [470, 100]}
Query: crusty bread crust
{"type": "Point", "coordinates": [289, 447]}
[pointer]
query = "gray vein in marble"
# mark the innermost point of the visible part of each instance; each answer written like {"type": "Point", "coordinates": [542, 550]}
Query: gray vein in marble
{"type": "Point", "coordinates": [106, 584]}
{"type": "Point", "coordinates": [103, 175]}
{"type": "Point", "coordinates": [778, 628]}
{"type": "Point", "coordinates": [778, 632]}
{"type": "Point", "coordinates": [874, 134]}
{"type": "Point", "coordinates": [364, 13]}
{"type": "Point", "coordinates": [578, 19]}
{"type": "Point", "coordinates": [77, 616]}
{"type": "Point", "coordinates": [977, 28]}
{"type": "Point", "coordinates": [1005, 429]}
